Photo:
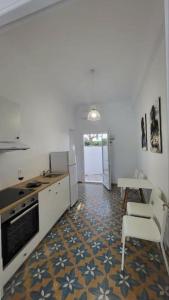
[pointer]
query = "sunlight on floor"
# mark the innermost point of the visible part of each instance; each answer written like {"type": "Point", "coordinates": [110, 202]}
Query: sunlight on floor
{"type": "Point", "coordinates": [94, 178]}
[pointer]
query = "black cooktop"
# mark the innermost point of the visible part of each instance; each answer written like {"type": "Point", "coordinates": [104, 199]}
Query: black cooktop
{"type": "Point", "coordinates": [11, 195]}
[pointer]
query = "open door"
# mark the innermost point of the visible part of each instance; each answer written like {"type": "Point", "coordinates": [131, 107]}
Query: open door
{"type": "Point", "coordinates": [92, 149]}
{"type": "Point", "coordinates": [106, 161]}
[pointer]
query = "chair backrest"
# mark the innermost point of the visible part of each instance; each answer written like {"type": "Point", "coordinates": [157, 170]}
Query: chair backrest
{"type": "Point", "coordinates": [160, 215]}
{"type": "Point", "coordinates": [155, 194]}
{"type": "Point", "coordinates": [141, 175]}
{"type": "Point", "coordinates": [136, 173]}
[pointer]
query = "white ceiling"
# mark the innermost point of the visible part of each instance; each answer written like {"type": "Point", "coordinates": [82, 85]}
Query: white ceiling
{"type": "Point", "coordinates": [56, 48]}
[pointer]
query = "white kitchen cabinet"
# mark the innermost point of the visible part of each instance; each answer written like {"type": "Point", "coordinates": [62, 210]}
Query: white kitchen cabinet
{"type": "Point", "coordinates": [53, 201]}
{"type": "Point", "coordinates": [46, 217]}
{"type": "Point", "coordinates": [62, 191]}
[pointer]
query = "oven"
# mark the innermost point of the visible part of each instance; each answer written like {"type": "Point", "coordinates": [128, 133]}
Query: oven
{"type": "Point", "coordinates": [18, 227]}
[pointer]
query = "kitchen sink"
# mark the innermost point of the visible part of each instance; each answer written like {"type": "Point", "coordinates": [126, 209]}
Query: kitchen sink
{"type": "Point", "coordinates": [52, 175]}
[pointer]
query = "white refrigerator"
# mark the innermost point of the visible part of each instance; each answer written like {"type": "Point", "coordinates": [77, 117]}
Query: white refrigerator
{"type": "Point", "coordinates": [61, 162]}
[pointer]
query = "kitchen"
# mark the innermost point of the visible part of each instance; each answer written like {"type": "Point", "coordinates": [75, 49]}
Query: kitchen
{"type": "Point", "coordinates": [61, 61]}
{"type": "Point", "coordinates": [30, 208]}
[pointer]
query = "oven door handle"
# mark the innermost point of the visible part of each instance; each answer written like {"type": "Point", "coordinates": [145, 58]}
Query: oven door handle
{"type": "Point", "coordinates": [24, 213]}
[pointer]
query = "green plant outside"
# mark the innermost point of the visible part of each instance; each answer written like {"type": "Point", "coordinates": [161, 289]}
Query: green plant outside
{"type": "Point", "coordinates": [95, 143]}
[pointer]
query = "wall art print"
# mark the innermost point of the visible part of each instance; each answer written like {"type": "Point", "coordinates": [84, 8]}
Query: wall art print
{"type": "Point", "coordinates": [155, 127]}
{"type": "Point", "coordinates": [144, 133]}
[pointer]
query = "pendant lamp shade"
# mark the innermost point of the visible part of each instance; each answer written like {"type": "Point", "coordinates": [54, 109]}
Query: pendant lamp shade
{"type": "Point", "coordinates": [93, 115]}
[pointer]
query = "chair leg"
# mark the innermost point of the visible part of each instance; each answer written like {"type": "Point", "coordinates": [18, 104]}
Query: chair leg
{"type": "Point", "coordinates": [165, 257]}
{"type": "Point", "coordinates": [123, 251]}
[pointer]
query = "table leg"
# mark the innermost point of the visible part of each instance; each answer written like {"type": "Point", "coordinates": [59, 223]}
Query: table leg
{"type": "Point", "coordinates": [125, 198]}
{"type": "Point", "coordinates": [142, 195]}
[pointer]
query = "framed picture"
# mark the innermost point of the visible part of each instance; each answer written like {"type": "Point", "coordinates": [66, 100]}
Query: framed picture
{"type": "Point", "coordinates": [155, 127]}
{"type": "Point", "coordinates": [144, 133]}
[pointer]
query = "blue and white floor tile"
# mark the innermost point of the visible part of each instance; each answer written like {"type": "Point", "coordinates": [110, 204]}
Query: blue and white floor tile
{"type": "Point", "coordinates": [80, 257]}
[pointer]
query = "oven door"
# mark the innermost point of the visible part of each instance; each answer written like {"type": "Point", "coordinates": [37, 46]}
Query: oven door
{"type": "Point", "coordinates": [17, 231]}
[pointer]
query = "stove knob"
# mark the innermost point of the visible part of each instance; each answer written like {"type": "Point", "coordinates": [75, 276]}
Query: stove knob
{"type": "Point", "coordinates": [24, 204]}
{"type": "Point", "coordinates": [33, 199]}
{"type": "Point", "coordinates": [12, 212]}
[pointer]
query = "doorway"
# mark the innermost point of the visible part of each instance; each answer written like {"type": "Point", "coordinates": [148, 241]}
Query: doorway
{"type": "Point", "coordinates": [93, 165]}
{"type": "Point", "coordinates": [97, 158]}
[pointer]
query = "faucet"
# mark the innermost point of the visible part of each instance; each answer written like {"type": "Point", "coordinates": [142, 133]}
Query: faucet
{"type": "Point", "coordinates": [45, 173]}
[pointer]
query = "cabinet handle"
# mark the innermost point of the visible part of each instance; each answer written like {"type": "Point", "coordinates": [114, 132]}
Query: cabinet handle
{"type": "Point", "coordinates": [56, 193]}
{"type": "Point", "coordinates": [49, 190]}
{"type": "Point", "coordinates": [25, 254]}
{"type": "Point", "coordinates": [58, 182]}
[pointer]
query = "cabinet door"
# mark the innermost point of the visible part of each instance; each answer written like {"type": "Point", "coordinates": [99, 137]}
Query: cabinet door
{"type": "Point", "coordinates": [46, 211]}
{"type": "Point", "coordinates": [53, 202]}
{"type": "Point", "coordinates": [73, 185]}
{"type": "Point", "coordinates": [64, 194]}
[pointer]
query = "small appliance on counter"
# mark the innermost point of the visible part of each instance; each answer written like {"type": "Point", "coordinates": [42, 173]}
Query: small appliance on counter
{"type": "Point", "coordinates": [50, 174]}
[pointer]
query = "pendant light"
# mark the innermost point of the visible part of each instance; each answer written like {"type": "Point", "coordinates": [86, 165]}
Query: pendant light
{"type": "Point", "coordinates": [93, 114]}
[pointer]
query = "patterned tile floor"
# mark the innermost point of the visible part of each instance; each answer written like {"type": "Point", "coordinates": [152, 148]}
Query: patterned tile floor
{"type": "Point", "coordinates": [80, 257]}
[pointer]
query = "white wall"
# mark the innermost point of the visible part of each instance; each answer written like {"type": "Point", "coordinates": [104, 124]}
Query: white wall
{"type": "Point", "coordinates": [45, 125]}
{"type": "Point", "coordinates": [45, 117]}
{"type": "Point", "coordinates": [93, 160]}
{"type": "Point", "coordinates": [119, 119]}
{"type": "Point", "coordinates": [154, 165]}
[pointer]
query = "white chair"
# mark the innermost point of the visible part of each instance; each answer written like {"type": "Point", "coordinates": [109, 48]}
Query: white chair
{"type": "Point", "coordinates": [151, 229]}
{"type": "Point", "coordinates": [141, 209]}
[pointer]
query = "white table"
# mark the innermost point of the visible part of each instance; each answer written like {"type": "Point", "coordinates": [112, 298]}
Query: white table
{"type": "Point", "coordinates": [134, 183]}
